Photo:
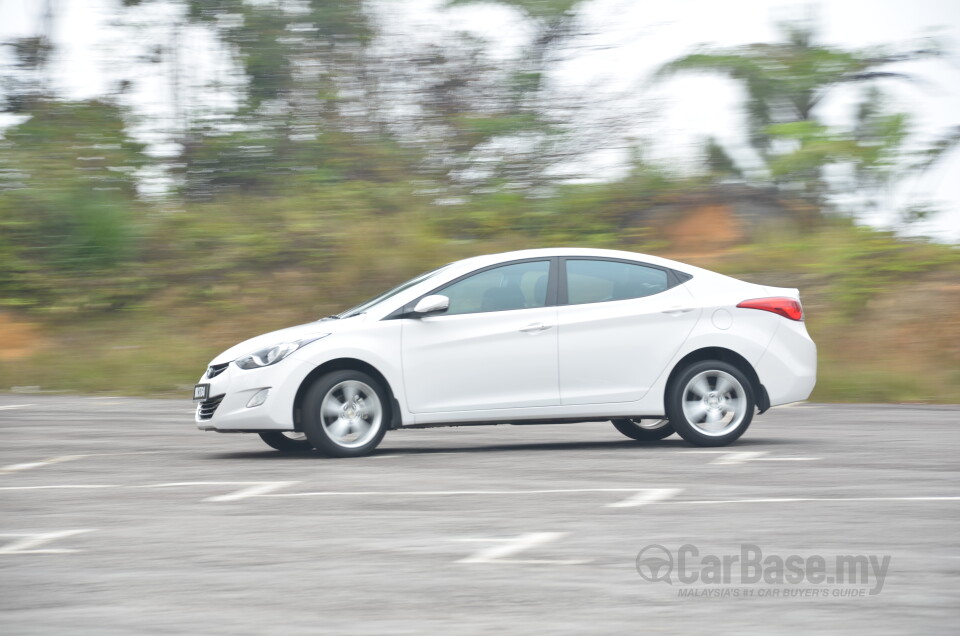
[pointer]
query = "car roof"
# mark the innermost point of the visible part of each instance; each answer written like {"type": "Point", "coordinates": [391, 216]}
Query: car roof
{"type": "Point", "coordinates": [492, 259]}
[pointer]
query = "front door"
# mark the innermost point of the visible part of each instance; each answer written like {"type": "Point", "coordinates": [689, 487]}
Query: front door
{"type": "Point", "coordinates": [494, 348]}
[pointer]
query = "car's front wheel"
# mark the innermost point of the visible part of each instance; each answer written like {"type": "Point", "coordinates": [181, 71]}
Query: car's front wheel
{"type": "Point", "coordinates": [644, 430]}
{"type": "Point", "coordinates": [287, 441]}
{"type": "Point", "coordinates": [345, 414]}
{"type": "Point", "coordinates": [710, 403]}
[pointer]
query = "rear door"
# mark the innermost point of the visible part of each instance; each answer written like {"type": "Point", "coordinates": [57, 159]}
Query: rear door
{"type": "Point", "coordinates": [620, 324]}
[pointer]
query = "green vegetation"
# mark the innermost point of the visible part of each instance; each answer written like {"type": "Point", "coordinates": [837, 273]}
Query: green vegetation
{"type": "Point", "coordinates": [883, 311]}
{"type": "Point", "coordinates": [785, 82]}
{"type": "Point", "coordinates": [346, 168]}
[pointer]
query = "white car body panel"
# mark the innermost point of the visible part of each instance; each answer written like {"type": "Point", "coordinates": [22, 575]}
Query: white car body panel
{"type": "Point", "coordinates": [444, 354]}
{"type": "Point", "coordinates": [615, 351]}
{"type": "Point", "coordinates": [592, 361]}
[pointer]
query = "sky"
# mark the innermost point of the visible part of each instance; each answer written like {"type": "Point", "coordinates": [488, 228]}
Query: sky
{"type": "Point", "coordinates": [626, 41]}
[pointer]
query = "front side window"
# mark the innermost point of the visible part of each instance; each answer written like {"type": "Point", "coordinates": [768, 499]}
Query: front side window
{"type": "Point", "coordinates": [516, 286]}
{"type": "Point", "coordinates": [594, 281]}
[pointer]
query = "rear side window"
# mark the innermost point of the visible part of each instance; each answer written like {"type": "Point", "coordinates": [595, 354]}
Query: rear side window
{"type": "Point", "coordinates": [594, 281]}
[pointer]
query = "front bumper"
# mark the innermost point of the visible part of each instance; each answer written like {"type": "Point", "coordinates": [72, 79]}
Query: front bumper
{"type": "Point", "coordinates": [226, 408]}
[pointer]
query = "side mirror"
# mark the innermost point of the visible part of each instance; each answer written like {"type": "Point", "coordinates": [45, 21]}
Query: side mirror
{"type": "Point", "coordinates": [431, 305]}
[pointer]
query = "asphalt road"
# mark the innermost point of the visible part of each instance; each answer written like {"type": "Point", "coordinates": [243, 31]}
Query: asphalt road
{"type": "Point", "coordinates": [118, 517]}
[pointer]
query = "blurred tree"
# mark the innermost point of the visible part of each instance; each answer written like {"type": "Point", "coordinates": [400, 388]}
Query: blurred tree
{"type": "Point", "coordinates": [67, 176]}
{"type": "Point", "coordinates": [516, 132]}
{"type": "Point", "coordinates": [302, 115]}
{"type": "Point", "coordinates": [68, 184]}
{"type": "Point", "coordinates": [553, 23]}
{"type": "Point", "coordinates": [938, 149]}
{"type": "Point", "coordinates": [68, 210]}
{"type": "Point", "coordinates": [25, 81]}
{"type": "Point", "coordinates": [461, 109]}
{"type": "Point", "coordinates": [324, 101]}
{"type": "Point", "coordinates": [786, 81]}
{"type": "Point", "coordinates": [719, 162]}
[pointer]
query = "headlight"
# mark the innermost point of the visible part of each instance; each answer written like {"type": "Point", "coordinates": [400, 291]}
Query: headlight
{"type": "Point", "coordinates": [274, 353]}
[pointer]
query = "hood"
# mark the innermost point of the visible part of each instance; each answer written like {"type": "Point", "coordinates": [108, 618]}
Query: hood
{"type": "Point", "coordinates": [298, 332]}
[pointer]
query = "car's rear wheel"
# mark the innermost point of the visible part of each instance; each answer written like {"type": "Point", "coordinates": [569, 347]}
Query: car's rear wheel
{"type": "Point", "coordinates": [644, 430]}
{"type": "Point", "coordinates": [345, 414]}
{"type": "Point", "coordinates": [710, 403]}
{"type": "Point", "coordinates": [287, 441]}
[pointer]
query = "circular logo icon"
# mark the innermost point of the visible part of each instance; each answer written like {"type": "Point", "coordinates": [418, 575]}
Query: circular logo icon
{"type": "Point", "coordinates": [655, 563]}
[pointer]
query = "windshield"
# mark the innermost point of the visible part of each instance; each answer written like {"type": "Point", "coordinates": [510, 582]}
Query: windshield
{"type": "Point", "coordinates": [366, 306]}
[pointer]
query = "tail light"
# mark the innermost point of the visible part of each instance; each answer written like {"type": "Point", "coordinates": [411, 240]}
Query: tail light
{"type": "Point", "coordinates": [786, 307]}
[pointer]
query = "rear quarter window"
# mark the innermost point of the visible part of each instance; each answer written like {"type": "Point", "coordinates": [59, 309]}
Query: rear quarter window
{"type": "Point", "coordinates": [595, 281]}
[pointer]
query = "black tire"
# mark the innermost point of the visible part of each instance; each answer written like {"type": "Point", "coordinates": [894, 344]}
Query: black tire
{"type": "Point", "coordinates": [634, 430]}
{"type": "Point", "coordinates": [280, 441]}
{"type": "Point", "coordinates": [364, 408]}
{"type": "Point", "coordinates": [718, 389]}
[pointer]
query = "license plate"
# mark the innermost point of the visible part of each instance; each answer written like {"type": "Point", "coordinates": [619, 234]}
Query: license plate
{"type": "Point", "coordinates": [201, 392]}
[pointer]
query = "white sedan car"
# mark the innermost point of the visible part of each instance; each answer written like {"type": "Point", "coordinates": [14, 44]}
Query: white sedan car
{"type": "Point", "coordinates": [529, 337]}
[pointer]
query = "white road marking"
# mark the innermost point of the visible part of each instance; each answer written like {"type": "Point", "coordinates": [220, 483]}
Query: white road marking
{"type": "Point", "coordinates": [507, 547]}
{"type": "Point", "coordinates": [156, 452]}
{"type": "Point", "coordinates": [10, 407]}
{"type": "Point", "coordinates": [176, 484]}
{"type": "Point", "coordinates": [738, 457]}
{"type": "Point", "coordinates": [28, 542]}
{"type": "Point", "coordinates": [428, 454]}
{"type": "Point", "coordinates": [806, 499]}
{"type": "Point", "coordinates": [63, 486]}
{"type": "Point", "coordinates": [438, 493]}
{"type": "Point", "coordinates": [13, 468]}
{"type": "Point", "coordinates": [641, 496]}
{"type": "Point", "coordinates": [648, 496]}
{"type": "Point", "coordinates": [730, 458]}
{"type": "Point", "coordinates": [253, 489]}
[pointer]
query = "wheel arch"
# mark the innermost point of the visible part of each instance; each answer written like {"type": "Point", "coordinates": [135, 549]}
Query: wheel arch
{"type": "Point", "coordinates": [345, 364]}
{"type": "Point", "coordinates": [730, 357]}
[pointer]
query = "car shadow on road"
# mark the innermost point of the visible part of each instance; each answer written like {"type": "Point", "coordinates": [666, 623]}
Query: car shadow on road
{"type": "Point", "coordinates": [575, 446]}
{"type": "Point", "coordinates": [673, 444]}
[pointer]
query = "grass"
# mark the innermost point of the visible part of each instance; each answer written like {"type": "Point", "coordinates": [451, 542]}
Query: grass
{"type": "Point", "coordinates": [883, 311]}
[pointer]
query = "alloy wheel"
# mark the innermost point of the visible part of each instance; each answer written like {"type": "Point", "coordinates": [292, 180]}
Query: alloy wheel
{"type": "Point", "coordinates": [714, 403]}
{"type": "Point", "coordinates": [351, 413]}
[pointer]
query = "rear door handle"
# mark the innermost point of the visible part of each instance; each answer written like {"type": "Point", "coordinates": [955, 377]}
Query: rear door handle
{"type": "Point", "coordinates": [676, 311]}
{"type": "Point", "coordinates": [535, 327]}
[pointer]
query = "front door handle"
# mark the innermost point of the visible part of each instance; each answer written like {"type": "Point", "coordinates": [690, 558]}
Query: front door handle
{"type": "Point", "coordinates": [535, 328]}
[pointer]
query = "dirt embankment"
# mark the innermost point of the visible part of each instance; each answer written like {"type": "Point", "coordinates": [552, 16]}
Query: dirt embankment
{"type": "Point", "coordinates": [17, 339]}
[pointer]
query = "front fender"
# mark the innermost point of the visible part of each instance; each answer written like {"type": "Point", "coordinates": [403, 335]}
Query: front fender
{"type": "Point", "coordinates": [377, 345]}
